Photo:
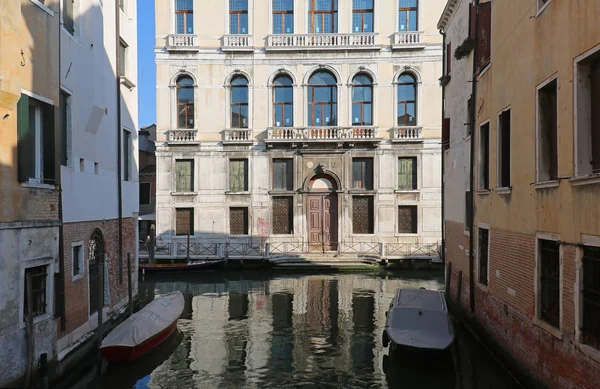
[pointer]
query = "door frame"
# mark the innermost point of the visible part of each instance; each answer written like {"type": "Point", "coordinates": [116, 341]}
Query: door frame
{"type": "Point", "coordinates": [310, 191]}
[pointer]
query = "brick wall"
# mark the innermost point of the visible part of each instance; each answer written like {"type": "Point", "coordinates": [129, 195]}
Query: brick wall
{"type": "Point", "coordinates": [28, 204]}
{"type": "Point", "coordinates": [505, 309]}
{"type": "Point", "coordinates": [76, 291]}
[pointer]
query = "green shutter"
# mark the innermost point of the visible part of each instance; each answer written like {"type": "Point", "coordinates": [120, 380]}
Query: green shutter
{"type": "Point", "coordinates": [49, 144]}
{"type": "Point", "coordinates": [234, 168]}
{"type": "Point", "coordinates": [289, 174]}
{"type": "Point", "coordinates": [183, 176]}
{"type": "Point", "coordinates": [25, 141]}
{"type": "Point", "coordinates": [407, 173]}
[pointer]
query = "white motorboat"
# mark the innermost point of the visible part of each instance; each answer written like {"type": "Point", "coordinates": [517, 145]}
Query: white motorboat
{"type": "Point", "coordinates": [418, 319]}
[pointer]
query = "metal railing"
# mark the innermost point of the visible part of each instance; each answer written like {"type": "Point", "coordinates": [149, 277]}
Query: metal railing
{"type": "Point", "coordinates": [330, 133]}
{"type": "Point", "coordinates": [360, 248]}
{"type": "Point", "coordinates": [407, 133]}
{"type": "Point", "coordinates": [182, 41]}
{"type": "Point", "coordinates": [285, 248]}
{"type": "Point", "coordinates": [411, 249]}
{"type": "Point", "coordinates": [182, 136]}
{"type": "Point", "coordinates": [238, 42]}
{"type": "Point", "coordinates": [237, 135]}
{"type": "Point", "coordinates": [407, 39]}
{"type": "Point", "coordinates": [322, 41]}
{"type": "Point", "coordinates": [243, 250]}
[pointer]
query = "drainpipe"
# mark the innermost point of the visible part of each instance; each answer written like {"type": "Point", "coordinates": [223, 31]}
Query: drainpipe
{"type": "Point", "coordinates": [61, 251]}
{"type": "Point", "coordinates": [443, 250]}
{"type": "Point", "coordinates": [119, 132]}
{"type": "Point", "coordinates": [472, 163]}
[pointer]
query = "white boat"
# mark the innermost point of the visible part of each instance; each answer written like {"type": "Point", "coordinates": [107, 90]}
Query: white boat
{"type": "Point", "coordinates": [418, 319]}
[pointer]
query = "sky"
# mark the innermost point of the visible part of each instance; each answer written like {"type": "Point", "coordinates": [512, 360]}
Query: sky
{"type": "Point", "coordinates": [146, 66]}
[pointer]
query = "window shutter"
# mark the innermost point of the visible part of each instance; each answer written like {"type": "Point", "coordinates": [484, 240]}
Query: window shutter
{"type": "Point", "coordinates": [245, 174]}
{"type": "Point", "coordinates": [234, 176]}
{"type": "Point", "coordinates": [25, 141]}
{"type": "Point", "coordinates": [471, 21]}
{"type": "Point", "coordinates": [484, 26]}
{"type": "Point", "coordinates": [446, 133]}
{"type": "Point", "coordinates": [289, 174]}
{"type": "Point", "coordinates": [49, 145]}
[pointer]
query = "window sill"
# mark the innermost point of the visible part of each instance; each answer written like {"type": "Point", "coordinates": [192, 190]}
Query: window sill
{"type": "Point", "coordinates": [589, 351]}
{"type": "Point", "coordinates": [585, 180]}
{"type": "Point", "coordinates": [484, 70]}
{"type": "Point", "coordinates": [43, 7]}
{"type": "Point", "coordinates": [549, 328]}
{"type": "Point", "coordinates": [362, 191]}
{"type": "Point", "coordinates": [282, 192]}
{"type": "Point", "coordinates": [126, 82]}
{"type": "Point", "coordinates": [184, 193]}
{"type": "Point", "coordinates": [411, 234]}
{"type": "Point", "coordinates": [407, 191]}
{"type": "Point", "coordinates": [483, 192]}
{"type": "Point", "coordinates": [38, 185]}
{"type": "Point", "coordinates": [504, 190]}
{"type": "Point", "coordinates": [542, 8]}
{"type": "Point", "coordinates": [37, 319]}
{"type": "Point", "coordinates": [77, 277]}
{"type": "Point", "coordinates": [236, 192]}
{"type": "Point", "coordinates": [547, 184]}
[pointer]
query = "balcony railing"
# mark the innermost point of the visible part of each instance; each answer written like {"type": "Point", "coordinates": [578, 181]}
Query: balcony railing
{"type": "Point", "coordinates": [182, 136]}
{"type": "Point", "coordinates": [408, 40]}
{"type": "Point", "coordinates": [407, 134]}
{"type": "Point", "coordinates": [237, 43]}
{"type": "Point", "coordinates": [322, 134]}
{"type": "Point", "coordinates": [182, 42]}
{"type": "Point", "coordinates": [237, 135]}
{"type": "Point", "coordinates": [355, 41]}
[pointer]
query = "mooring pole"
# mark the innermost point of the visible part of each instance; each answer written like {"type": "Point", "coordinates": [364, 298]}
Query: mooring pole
{"type": "Point", "coordinates": [129, 286]}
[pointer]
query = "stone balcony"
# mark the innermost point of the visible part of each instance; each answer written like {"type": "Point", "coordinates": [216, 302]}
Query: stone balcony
{"type": "Point", "coordinates": [237, 136]}
{"type": "Point", "coordinates": [333, 134]}
{"type": "Point", "coordinates": [240, 42]}
{"type": "Point", "coordinates": [182, 137]}
{"type": "Point", "coordinates": [407, 134]}
{"type": "Point", "coordinates": [290, 42]}
{"type": "Point", "coordinates": [182, 42]}
{"type": "Point", "coordinates": [407, 40]}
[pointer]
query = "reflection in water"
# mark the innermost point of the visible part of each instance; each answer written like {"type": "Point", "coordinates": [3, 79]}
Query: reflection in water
{"type": "Point", "coordinates": [260, 331]}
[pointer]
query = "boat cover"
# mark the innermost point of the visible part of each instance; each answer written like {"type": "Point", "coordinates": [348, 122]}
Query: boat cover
{"type": "Point", "coordinates": [149, 321]}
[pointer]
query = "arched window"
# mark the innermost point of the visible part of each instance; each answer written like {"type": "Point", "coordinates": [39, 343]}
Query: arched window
{"type": "Point", "coordinates": [184, 15]}
{"type": "Point", "coordinates": [239, 102]}
{"type": "Point", "coordinates": [283, 102]}
{"type": "Point", "coordinates": [185, 102]}
{"type": "Point", "coordinates": [408, 15]}
{"type": "Point", "coordinates": [362, 100]}
{"type": "Point", "coordinates": [322, 99]}
{"type": "Point", "coordinates": [407, 100]}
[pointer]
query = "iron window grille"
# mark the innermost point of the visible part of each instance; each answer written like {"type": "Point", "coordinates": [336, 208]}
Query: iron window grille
{"type": "Point", "coordinates": [407, 219]}
{"type": "Point", "coordinates": [362, 215]}
{"type": "Point", "coordinates": [38, 276]}
{"type": "Point", "coordinates": [238, 221]}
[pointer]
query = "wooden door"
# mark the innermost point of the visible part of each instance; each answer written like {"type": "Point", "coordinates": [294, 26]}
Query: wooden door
{"type": "Point", "coordinates": [315, 235]}
{"type": "Point", "coordinates": [322, 222]}
{"type": "Point", "coordinates": [330, 222]}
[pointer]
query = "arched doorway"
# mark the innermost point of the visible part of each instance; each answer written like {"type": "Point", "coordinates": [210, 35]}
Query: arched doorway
{"type": "Point", "coordinates": [322, 214]}
{"type": "Point", "coordinates": [95, 261]}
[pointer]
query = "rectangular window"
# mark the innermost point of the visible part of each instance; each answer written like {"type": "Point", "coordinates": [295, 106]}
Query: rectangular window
{"type": "Point", "coordinates": [283, 16]}
{"type": "Point", "coordinates": [362, 15]}
{"type": "Point", "coordinates": [238, 175]}
{"type": "Point", "coordinates": [448, 58]}
{"type": "Point", "coordinates": [238, 221]}
{"type": "Point", "coordinates": [144, 193]}
{"type": "Point", "coordinates": [550, 282]}
{"type": "Point", "coordinates": [407, 219]}
{"type": "Point", "coordinates": [468, 210]}
{"type": "Point", "coordinates": [482, 255]}
{"type": "Point", "coordinates": [38, 276]}
{"type": "Point", "coordinates": [587, 119]}
{"type": "Point", "coordinates": [590, 327]}
{"type": "Point", "coordinates": [283, 174]}
{"type": "Point", "coordinates": [322, 17]}
{"type": "Point", "coordinates": [184, 15]}
{"type": "Point", "coordinates": [504, 149]}
{"type": "Point", "coordinates": [446, 133]}
{"type": "Point", "coordinates": [362, 173]}
{"type": "Point", "coordinates": [36, 141]}
{"type": "Point", "coordinates": [362, 215]}
{"type": "Point", "coordinates": [407, 173]}
{"type": "Point", "coordinates": [77, 258]}
{"type": "Point", "coordinates": [238, 16]}
{"type": "Point", "coordinates": [283, 215]}
{"type": "Point", "coordinates": [65, 125]}
{"type": "Point", "coordinates": [122, 59]}
{"type": "Point", "coordinates": [484, 157]}
{"type": "Point", "coordinates": [484, 37]}
{"type": "Point", "coordinates": [184, 175]}
{"type": "Point", "coordinates": [67, 15]}
{"type": "Point", "coordinates": [408, 15]}
{"type": "Point", "coordinates": [126, 155]}
{"type": "Point", "coordinates": [547, 155]}
{"type": "Point", "coordinates": [184, 221]}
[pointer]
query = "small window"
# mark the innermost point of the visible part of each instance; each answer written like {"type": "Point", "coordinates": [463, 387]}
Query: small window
{"type": "Point", "coordinates": [122, 59]}
{"type": "Point", "coordinates": [144, 193]}
{"type": "Point", "coordinates": [588, 115]}
{"type": "Point", "coordinates": [322, 16]}
{"type": "Point", "coordinates": [96, 168]}
{"type": "Point", "coordinates": [484, 157]}
{"type": "Point", "coordinates": [238, 16]}
{"type": "Point", "coordinates": [407, 100]}
{"type": "Point", "coordinates": [590, 328]}
{"type": "Point", "coordinates": [362, 173]}
{"type": "Point", "coordinates": [283, 16]}
{"type": "Point", "coordinates": [468, 210]}
{"type": "Point", "coordinates": [504, 149]}
{"type": "Point", "coordinates": [239, 102]}
{"type": "Point", "coordinates": [81, 165]}
{"type": "Point", "coordinates": [448, 58]}
{"type": "Point", "coordinates": [549, 281]}
{"type": "Point", "coordinates": [362, 15]}
{"type": "Point", "coordinates": [184, 175]}
{"type": "Point", "coordinates": [362, 215]}
{"type": "Point", "coordinates": [407, 173]}
{"type": "Point", "coordinates": [547, 156]}
{"type": "Point", "coordinates": [184, 221]}
{"type": "Point", "coordinates": [126, 155]}
{"type": "Point", "coordinates": [283, 215]}
{"type": "Point", "coordinates": [38, 276]}
{"type": "Point", "coordinates": [483, 255]}
{"type": "Point", "coordinates": [238, 221]}
{"type": "Point", "coordinates": [67, 15]}
{"type": "Point", "coordinates": [77, 258]}
{"type": "Point", "coordinates": [65, 125]}
{"type": "Point", "coordinates": [184, 15]}
{"type": "Point", "coordinates": [407, 219]}
{"type": "Point", "coordinates": [408, 15]}
{"type": "Point", "coordinates": [238, 175]}
{"type": "Point", "coordinates": [283, 174]}
{"type": "Point", "coordinates": [185, 102]}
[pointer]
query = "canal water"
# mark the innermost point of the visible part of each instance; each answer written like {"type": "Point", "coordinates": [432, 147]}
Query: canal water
{"type": "Point", "coordinates": [270, 330]}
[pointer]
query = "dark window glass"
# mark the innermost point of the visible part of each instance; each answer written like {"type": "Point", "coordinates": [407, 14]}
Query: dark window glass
{"type": "Point", "coordinates": [283, 16]}
{"type": "Point", "coordinates": [322, 100]}
{"type": "Point", "coordinates": [362, 100]}
{"type": "Point", "coordinates": [239, 102]}
{"type": "Point", "coordinates": [407, 219]}
{"type": "Point", "coordinates": [37, 276]}
{"type": "Point", "coordinates": [238, 221]}
{"type": "Point", "coordinates": [484, 157]}
{"type": "Point", "coordinates": [77, 259]}
{"type": "Point", "coordinates": [504, 150]}
{"type": "Point", "coordinates": [184, 221]}
{"type": "Point", "coordinates": [408, 15]}
{"type": "Point", "coordinates": [283, 178]}
{"type": "Point", "coordinates": [468, 210]}
{"type": "Point", "coordinates": [185, 102]}
{"type": "Point", "coordinates": [483, 255]}
{"type": "Point", "coordinates": [184, 15]}
{"type": "Point", "coordinates": [590, 328]}
{"type": "Point", "coordinates": [184, 176]}
{"type": "Point", "coordinates": [68, 20]}
{"type": "Point", "coordinates": [550, 281]}
{"type": "Point", "coordinates": [283, 216]}
{"type": "Point", "coordinates": [407, 99]}
{"type": "Point", "coordinates": [126, 155]}
{"type": "Point", "coordinates": [362, 215]}
{"type": "Point", "coordinates": [144, 193]}
{"type": "Point", "coordinates": [238, 16]}
{"type": "Point", "coordinates": [362, 173]}
{"type": "Point", "coordinates": [238, 175]}
{"type": "Point", "coordinates": [548, 127]}
{"type": "Point", "coordinates": [322, 16]}
{"type": "Point", "coordinates": [595, 119]}
{"type": "Point", "coordinates": [407, 173]}
{"type": "Point", "coordinates": [283, 102]}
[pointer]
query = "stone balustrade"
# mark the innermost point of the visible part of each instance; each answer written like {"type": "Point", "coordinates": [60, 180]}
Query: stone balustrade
{"type": "Point", "coordinates": [182, 136]}
{"type": "Point", "coordinates": [407, 134]}
{"type": "Point", "coordinates": [407, 40]}
{"type": "Point", "coordinates": [364, 40]}
{"type": "Point", "coordinates": [240, 42]}
{"type": "Point", "coordinates": [333, 133]}
{"type": "Point", "coordinates": [182, 42]}
{"type": "Point", "coordinates": [237, 135]}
